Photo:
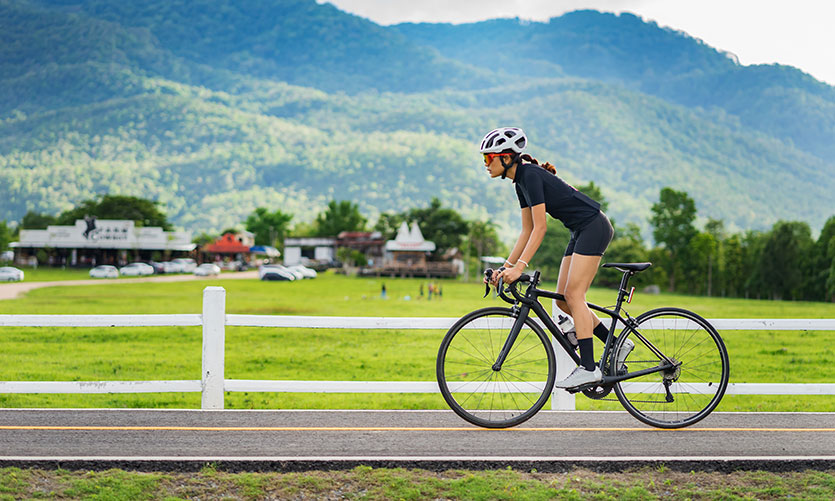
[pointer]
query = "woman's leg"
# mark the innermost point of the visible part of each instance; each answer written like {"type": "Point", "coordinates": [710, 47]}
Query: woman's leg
{"type": "Point", "coordinates": [580, 275]}
{"type": "Point", "coordinates": [561, 281]}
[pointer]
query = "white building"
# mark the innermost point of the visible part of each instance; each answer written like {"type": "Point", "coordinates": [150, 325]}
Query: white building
{"type": "Point", "coordinates": [408, 247]}
{"type": "Point", "coordinates": [100, 241]}
{"type": "Point", "coordinates": [307, 250]}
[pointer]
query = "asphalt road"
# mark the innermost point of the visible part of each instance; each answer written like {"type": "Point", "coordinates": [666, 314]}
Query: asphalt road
{"type": "Point", "coordinates": [404, 438]}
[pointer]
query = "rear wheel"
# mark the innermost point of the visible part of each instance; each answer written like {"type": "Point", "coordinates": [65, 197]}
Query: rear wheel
{"type": "Point", "coordinates": [486, 397]}
{"type": "Point", "coordinates": [685, 393]}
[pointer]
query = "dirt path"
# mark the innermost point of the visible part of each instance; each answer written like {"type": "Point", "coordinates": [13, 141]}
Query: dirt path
{"type": "Point", "coordinates": [17, 289]}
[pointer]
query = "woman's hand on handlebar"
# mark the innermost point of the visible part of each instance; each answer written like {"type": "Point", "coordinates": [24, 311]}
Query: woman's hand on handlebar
{"type": "Point", "coordinates": [509, 275]}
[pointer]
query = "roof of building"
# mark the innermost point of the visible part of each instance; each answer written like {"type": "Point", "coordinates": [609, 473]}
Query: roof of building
{"type": "Point", "coordinates": [227, 244]}
{"type": "Point", "coordinates": [409, 240]}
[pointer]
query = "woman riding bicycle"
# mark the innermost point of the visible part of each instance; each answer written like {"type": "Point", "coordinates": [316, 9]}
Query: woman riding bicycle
{"type": "Point", "coordinates": [541, 191]}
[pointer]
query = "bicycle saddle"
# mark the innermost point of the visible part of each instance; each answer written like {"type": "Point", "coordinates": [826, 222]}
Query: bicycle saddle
{"type": "Point", "coordinates": [635, 267]}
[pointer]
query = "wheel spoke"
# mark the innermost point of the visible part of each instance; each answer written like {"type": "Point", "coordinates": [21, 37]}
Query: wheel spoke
{"type": "Point", "coordinates": [495, 398]}
{"type": "Point", "coordinates": [696, 383]}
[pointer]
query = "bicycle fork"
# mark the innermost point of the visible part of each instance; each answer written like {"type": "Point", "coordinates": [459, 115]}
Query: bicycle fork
{"type": "Point", "coordinates": [511, 338]}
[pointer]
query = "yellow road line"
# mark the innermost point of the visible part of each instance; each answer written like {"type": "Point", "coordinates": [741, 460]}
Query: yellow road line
{"type": "Point", "coordinates": [379, 428]}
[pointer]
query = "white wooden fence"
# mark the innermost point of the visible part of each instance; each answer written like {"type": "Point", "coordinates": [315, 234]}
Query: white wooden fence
{"type": "Point", "coordinates": [213, 382]}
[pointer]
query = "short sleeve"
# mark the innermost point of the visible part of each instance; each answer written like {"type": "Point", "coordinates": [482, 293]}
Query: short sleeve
{"type": "Point", "coordinates": [522, 201]}
{"type": "Point", "coordinates": [535, 187]}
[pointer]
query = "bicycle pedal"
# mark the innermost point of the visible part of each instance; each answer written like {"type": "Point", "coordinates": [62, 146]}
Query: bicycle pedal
{"type": "Point", "coordinates": [582, 387]}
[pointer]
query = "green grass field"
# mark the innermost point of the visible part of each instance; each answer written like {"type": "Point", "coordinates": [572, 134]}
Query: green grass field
{"type": "Point", "coordinates": [384, 484]}
{"type": "Point", "coordinates": [87, 354]}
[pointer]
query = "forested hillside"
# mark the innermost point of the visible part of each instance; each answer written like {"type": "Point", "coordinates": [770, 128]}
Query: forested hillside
{"type": "Point", "coordinates": [215, 108]}
{"type": "Point", "coordinates": [778, 100]}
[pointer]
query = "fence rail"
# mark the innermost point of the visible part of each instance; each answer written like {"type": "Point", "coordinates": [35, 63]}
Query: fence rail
{"type": "Point", "coordinates": [214, 320]}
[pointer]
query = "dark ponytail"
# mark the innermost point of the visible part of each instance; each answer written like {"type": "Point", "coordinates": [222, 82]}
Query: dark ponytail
{"type": "Point", "coordinates": [547, 166]}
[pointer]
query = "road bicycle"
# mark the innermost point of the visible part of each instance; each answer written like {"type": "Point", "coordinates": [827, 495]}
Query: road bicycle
{"type": "Point", "coordinates": [496, 366]}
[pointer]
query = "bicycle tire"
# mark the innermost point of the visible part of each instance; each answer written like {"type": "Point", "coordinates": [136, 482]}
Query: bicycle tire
{"type": "Point", "coordinates": [696, 386]}
{"type": "Point", "coordinates": [468, 382]}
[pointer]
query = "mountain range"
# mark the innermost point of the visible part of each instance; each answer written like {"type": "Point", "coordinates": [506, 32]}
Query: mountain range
{"type": "Point", "coordinates": [214, 108]}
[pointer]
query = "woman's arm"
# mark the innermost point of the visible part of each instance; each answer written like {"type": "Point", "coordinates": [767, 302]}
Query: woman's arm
{"type": "Point", "coordinates": [524, 235]}
{"type": "Point", "coordinates": [540, 225]}
{"type": "Point", "coordinates": [534, 226]}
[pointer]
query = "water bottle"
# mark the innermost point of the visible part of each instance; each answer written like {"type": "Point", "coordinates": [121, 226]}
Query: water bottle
{"type": "Point", "coordinates": [566, 325]}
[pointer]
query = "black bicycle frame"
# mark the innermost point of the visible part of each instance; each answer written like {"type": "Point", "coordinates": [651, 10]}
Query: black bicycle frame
{"type": "Point", "coordinates": [530, 301]}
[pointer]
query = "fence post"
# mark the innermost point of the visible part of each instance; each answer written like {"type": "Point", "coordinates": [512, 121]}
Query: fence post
{"type": "Point", "coordinates": [214, 339]}
{"type": "Point", "coordinates": [561, 400]}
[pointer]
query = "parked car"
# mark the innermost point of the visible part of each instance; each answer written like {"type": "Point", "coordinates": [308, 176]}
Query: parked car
{"type": "Point", "coordinates": [104, 271]}
{"type": "Point", "coordinates": [136, 269]}
{"type": "Point", "coordinates": [304, 270]}
{"type": "Point", "coordinates": [206, 270]}
{"type": "Point", "coordinates": [274, 272]}
{"type": "Point", "coordinates": [11, 274]}
{"type": "Point", "coordinates": [235, 266]}
{"type": "Point", "coordinates": [6, 255]}
{"type": "Point", "coordinates": [157, 266]}
{"type": "Point", "coordinates": [184, 264]}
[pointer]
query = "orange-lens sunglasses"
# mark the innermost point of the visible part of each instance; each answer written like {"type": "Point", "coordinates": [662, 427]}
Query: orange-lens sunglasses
{"type": "Point", "coordinates": [488, 157]}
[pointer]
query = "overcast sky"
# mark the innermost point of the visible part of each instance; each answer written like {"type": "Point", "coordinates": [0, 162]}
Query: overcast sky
{"type": "Point", "coordinates": [799, 33]}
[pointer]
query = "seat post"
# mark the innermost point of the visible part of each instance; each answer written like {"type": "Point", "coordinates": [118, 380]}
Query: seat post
{"type": "Point", "coordinates": [622, 292]}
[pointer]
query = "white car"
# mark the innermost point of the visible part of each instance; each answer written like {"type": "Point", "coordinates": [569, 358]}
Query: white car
{"type": "Point", "coordinates": [136, 270]}
{"type": "Point", "coordinates": [304, 270]}
{"type": "Point", "coordinates": [206, 270]}
{"type": "Point", "coordinates": [11, 274]}
{"type": "Point", "coordinates": [104, 271]}
{"type": "Point", "coordinates": [275, 272]}
{"type": "Point", "coordinates": [184, 264]}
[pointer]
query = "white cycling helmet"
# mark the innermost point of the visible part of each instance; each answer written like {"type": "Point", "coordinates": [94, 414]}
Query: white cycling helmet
{"type": "Point", "coordinates": [503, 139]}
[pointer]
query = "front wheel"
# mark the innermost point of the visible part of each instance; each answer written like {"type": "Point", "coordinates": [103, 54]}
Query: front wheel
{"type": "Point", "coordinates": [689, 390]}
{"type": "Point", "coordinates": [487, 397]}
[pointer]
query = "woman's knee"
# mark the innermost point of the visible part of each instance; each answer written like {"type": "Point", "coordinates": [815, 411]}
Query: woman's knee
{"type": "Point", "coordinates": [575, 296]}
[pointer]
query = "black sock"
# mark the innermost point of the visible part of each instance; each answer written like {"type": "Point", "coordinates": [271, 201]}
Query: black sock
{"type": "Point", "coordinates": [601, 332]}
{"type": "Point", "coordinates": [587, 354]}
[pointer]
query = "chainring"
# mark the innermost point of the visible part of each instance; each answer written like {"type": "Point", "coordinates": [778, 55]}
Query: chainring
{"type": "Point", "coordinates": [598, 392]}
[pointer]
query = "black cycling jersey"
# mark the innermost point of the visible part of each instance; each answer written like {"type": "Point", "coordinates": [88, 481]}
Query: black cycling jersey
{"type": "Point", "coordinates": [535, 185]}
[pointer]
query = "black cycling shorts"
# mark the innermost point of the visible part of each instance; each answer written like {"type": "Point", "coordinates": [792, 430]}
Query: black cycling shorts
{"type": "Point", "coordinates": [592, 239]}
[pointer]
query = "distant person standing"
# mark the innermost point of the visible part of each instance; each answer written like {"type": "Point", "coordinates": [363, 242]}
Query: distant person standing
{"type": "Point", "coordinates": [383, 292]}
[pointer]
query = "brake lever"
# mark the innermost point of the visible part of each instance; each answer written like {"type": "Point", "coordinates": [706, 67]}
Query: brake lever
{"type": "Point", "coordinates": [488, 273]}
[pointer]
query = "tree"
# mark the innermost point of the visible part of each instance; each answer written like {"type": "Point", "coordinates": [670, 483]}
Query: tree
{"type": "Point", "coordinates": [204, 239]}
{"type": "Point", "coordinates": [37, 221]}
{"type": "Point", "coordinates": [830, 279]}
{"type": "Point", "coordinates": [5, 235]}
{"type": "Point", "coordinates": [699, 270]}
{"type": "Point", "coordinates": [734, 267]}
{"type": "Point", "coordinates": [444, 226]}
{"type": "Point", "coordinates": [389, 222]}
{"type": "Point", "coordinates": [483, 238]}
{"type": "Point", "coordinates": [672, 221]}
{"type": "Point", "coordinates": [820, 263]}
{"type": "Point", "coordinates": [784, 259]}
{"type": "Point", "coordinates": [269, 228]}
{"type": "Point", "coordinates": [338, 217]}
{"type": "Point", "coordinates": [143, 212]}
